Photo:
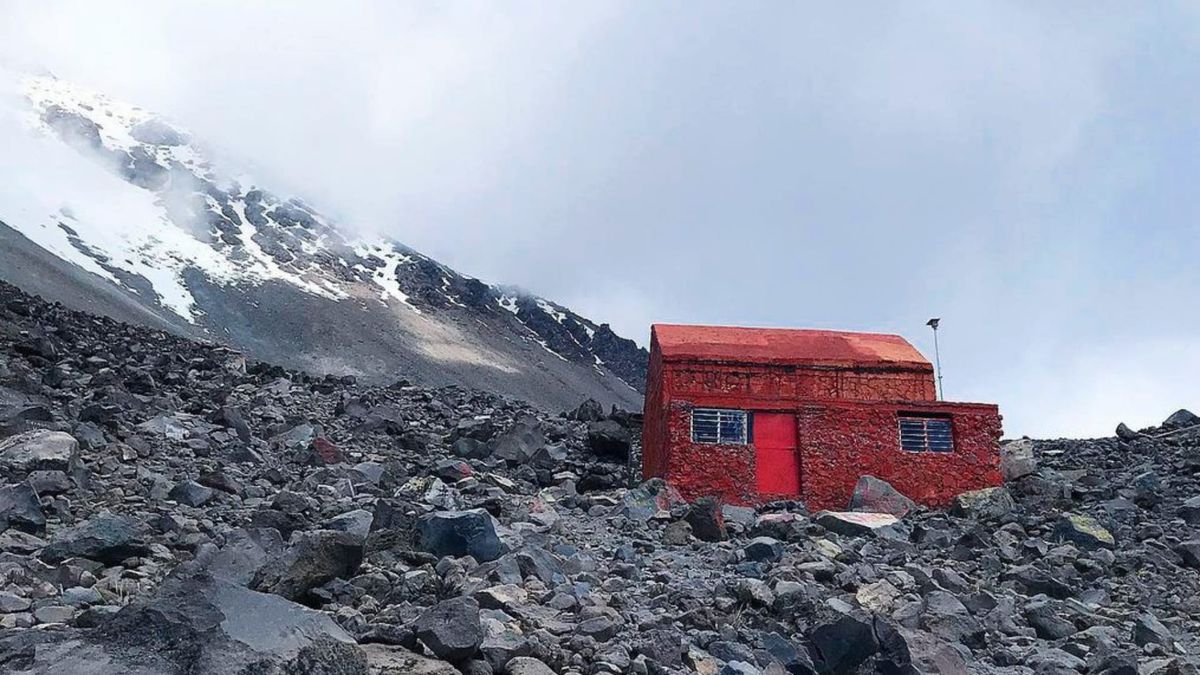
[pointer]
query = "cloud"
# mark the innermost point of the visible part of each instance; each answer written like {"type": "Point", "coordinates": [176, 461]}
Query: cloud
{"type": "Point", "coordinates": [1022, 170]}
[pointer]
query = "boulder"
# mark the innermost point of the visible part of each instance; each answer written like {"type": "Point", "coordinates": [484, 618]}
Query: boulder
{"type": "Point", "coordinates": [1147, 630]}
{"type": "Point", "coordinates": [243, 554]}
{"type": "Point", "coordinates": [1181, 418]}
{"type": "Point", "coordinates": [794, 658]}
{"type": "Point", "coordinates": [470, 448]}
{"type": "Point", "coordinates": [312, 559]}
{"type": "Point", "coordinates": [459, 533]}
{"type": "Point", "coordinates": [588, 411]}
{"type": "Point", "coordinates": [1189, 553]}
{"type": "Point", "coordinates": [39, 449]}
{"type": "Point", "coordinates": [356, 522]}
{"type": "Point", "coordinates": [855, 523]}
{"type": "Point", "coordinates": [1018, 459]}
{"type": "Point", "coordinates": [105, 537]}
{"type": "Point", "coordinates": [451, 629]}
{"type": "Point", "coordinates": [873, 495]}
{"type": "Point", "coordinates": [764, 549]}
{"type": "Point", "coordinates": [986, 504]}
{"type": "Point", "coordinates": [527, 665]}
{"type": "Point", "coordinates": [394, 660]}
{"type": "Point", "coordinates": [1189, 510]}
{"type": "Point", "coordinates": [190, 493]}
{"type": "Point", "coordinates": [201, 626]}
{"type": "Point", "coordinates": [707, 520]}
{"type": "Point", "coordinates": [608, 440]}
{"type": "Point", "coordinates": [21, 509]}
{"type": "Point", "coordinates": [519, 444]}
{"type": "Point", "coordinates": [1083, 531]}
{"type": "Point", "coordinates": [842, 644]}
{"type": "Point", "coordinates": [1126, 434]}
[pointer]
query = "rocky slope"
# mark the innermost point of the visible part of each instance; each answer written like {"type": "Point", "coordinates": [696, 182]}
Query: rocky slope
{"type": "Point", "coordinates": [118, 212]}
{"type": "Point", "coordinates": [167, 506]}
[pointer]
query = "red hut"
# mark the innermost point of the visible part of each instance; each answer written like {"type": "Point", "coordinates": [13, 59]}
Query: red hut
{"type": "Point", "coordinates": [754, 414]}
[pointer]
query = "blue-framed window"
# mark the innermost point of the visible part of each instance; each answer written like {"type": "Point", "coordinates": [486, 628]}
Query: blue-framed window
{"type": "Point", "coordinates": [926, 434]}
{"type": "Point", "coordinates": [718, 425]}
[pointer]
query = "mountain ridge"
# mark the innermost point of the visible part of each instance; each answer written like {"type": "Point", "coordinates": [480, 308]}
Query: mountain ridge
{"type": "Point", "coordinates": [166, 239]}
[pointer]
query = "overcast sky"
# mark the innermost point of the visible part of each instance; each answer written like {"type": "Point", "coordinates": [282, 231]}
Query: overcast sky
{"type": "Point", "coordinates": [1026, 171]}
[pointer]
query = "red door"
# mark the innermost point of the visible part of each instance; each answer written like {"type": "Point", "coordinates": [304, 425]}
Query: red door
{"type": "Point", "coordinates": [775, 451]}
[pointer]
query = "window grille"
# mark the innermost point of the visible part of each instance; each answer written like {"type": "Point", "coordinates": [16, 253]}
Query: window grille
{"type": "Point", "coordinates": [711, 425]}
{"type": "Point", "coordinates": [926, 434]}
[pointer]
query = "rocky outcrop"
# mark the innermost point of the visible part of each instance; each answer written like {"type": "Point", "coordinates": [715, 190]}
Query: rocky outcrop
{"type": "Point", "coordinates": [204, 538]}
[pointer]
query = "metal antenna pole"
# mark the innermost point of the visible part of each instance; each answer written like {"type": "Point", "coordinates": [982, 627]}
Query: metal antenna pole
{"type": "Point", "coordinates": [937, 357]}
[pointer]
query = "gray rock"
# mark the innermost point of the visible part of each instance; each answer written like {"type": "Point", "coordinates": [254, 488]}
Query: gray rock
{"type": "Point", "coordinates": [190, 493]}
{"type": "Point", "coordinates": [1189, 553]}
{"type": "Point", "coordinates": [40, 449]}
{"type": "Point", "coordinates": [1083, 531]}
{"type": "Point", "coordinates": [459, 533]}
{"type": "Point", "coordinates": [1181, 418]}
{"type": "Point", "coordinates": [13, 603]}
{"type": "Point", "coordinates": [244, 553]}
{"type": "Point", "coordinates": [54, 613]}
{"type": "Point", "coordinates": [1147, 629]}
{"type": "Point", "coordinates": [794, 658]}
{"type": "Point", "coordinates": [451, 629]}
{"type": "Point", "coordinates": [1018, 459]}
{"type": "Point", "coordinates": [527, 665]}
{"type": "Point", "coordinates": [201, 626]}
{"type": "Point", "coordinates": [873, 495]}
{"type": "Point", "coordinates": [986, 504]}
{"type": "Point", "coordinates": [1126, 434]}
{"type": "Point", "coordinates": [608, 440]}
{"type": "Point", "coordinates": [393, 660]}
{"type": "Point", "coordinates": [599, 628]}
{"type": "Point", "coordinates": [842, 644]}
{"type": "Point", "coordinates": [49, 483]}
{"type": "Point", "coordinates": [854, 523]}
{"type": "Point", "coordinates": [21, 509]}
{"type": "Point", "coordinates": [519, 443]}
{"type": "Point", "coordinates": [312, 559]}
{"type": "Point", "coordinates": [470, 448]}
{"type": "Point", "coordinates": [106, 537]}
{"type": "Point", "coordinates": [1189, 510]}
{"type": "Point", "coordinates": [356, 522]}
{"type": "Point", "coordinates": [707, 520]}
{"type": "Point", "coordinates": [764, 549]}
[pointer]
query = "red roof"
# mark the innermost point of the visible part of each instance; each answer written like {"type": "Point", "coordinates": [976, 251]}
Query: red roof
{"type": "Point", "coordinates": [790, 346]}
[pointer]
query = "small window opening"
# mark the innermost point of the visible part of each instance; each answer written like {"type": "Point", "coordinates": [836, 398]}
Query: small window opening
{"type": "Point", "coordinates": [926, 434]}
{"type": "Point", "coordinates": [713, 425]}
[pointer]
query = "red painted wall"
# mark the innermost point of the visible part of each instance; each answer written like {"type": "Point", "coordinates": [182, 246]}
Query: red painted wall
{"type": "Point", "coordinates": [846, 423]}
{"type": "Point", "coordinates": [842, 441]}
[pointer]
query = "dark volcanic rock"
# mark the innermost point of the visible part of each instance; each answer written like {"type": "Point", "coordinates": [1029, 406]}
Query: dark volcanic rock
{"type": "Point", "coordinates": [39, 449]}
{"type": "Point", "coordinates": [460, 533]}
{"type": "Point", "coordinates": [841, 645]}
{"type": "Point", "coordinates": [312, 559]}
{"type": "Point", "coordinates": [518, 444]}
{"type": "Point", "coordinates": [707, 520]}
{"type": "Point", "coordinates": [878, 496]}
{"type": "Point", "coordinates": [451, 629]}
{"type": "Point", "coordinates": [609, 440]}
{"type": "Point", "coordinates": [21, 509]}
{"type": "Point", "coordinates": [190, 493]}
{"type": "Point", "coordinates": [106, 537]}
{"type": "Point", "coordinates": [202, 626]}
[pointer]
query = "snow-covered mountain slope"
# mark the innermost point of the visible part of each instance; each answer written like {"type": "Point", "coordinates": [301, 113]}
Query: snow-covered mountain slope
{"type": "Point", "coordinates": [117, 211]}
